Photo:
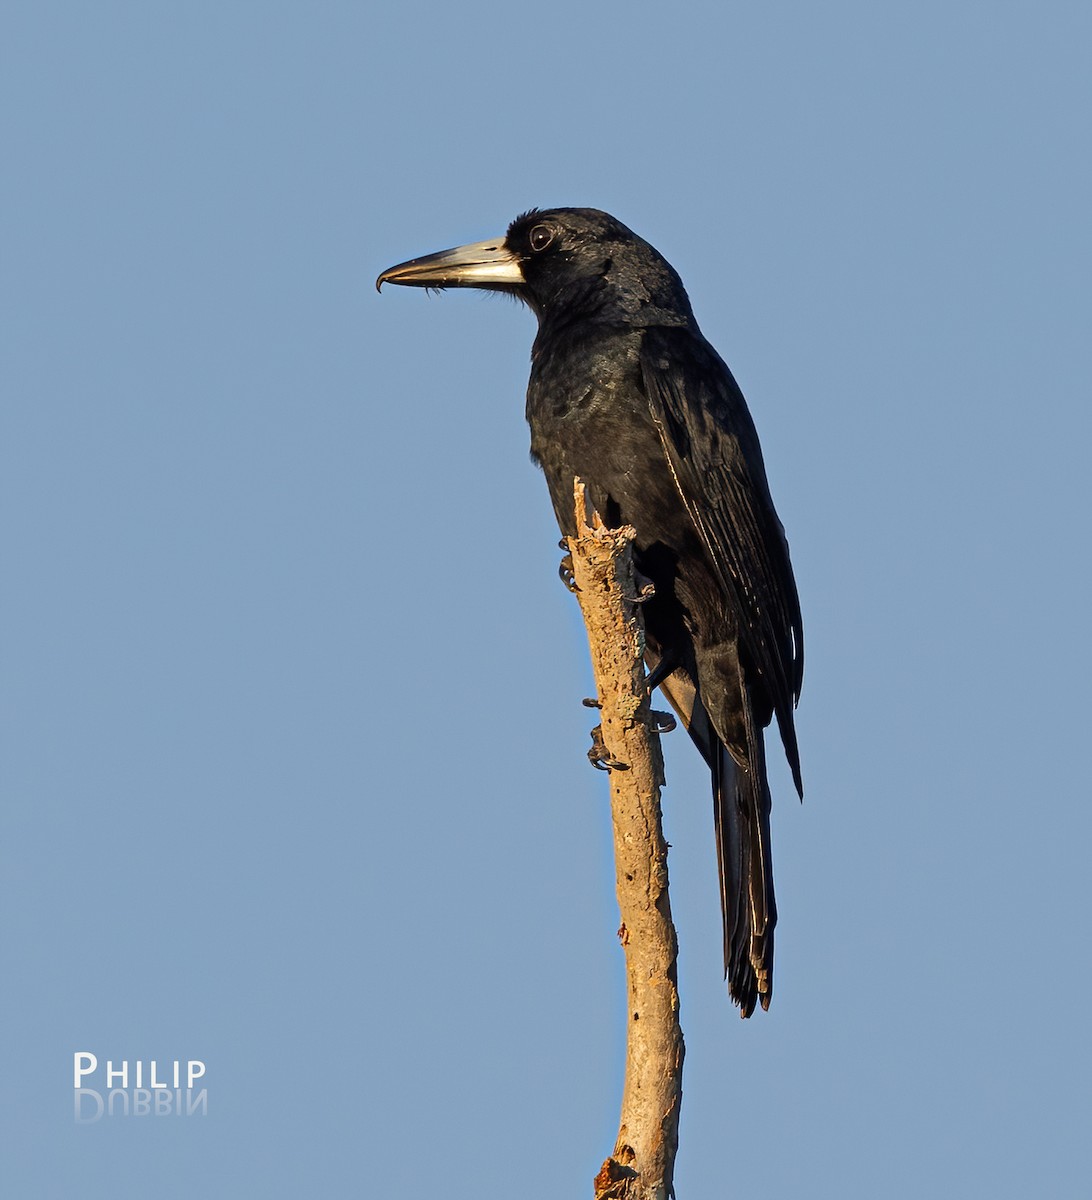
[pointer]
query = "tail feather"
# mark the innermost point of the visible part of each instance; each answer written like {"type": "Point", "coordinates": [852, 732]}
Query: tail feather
{"type": "Point", "coordinates": [741, 817]}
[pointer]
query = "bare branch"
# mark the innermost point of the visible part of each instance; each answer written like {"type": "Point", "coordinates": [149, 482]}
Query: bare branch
{"type": "Point", "coordinates": [643, 1161]}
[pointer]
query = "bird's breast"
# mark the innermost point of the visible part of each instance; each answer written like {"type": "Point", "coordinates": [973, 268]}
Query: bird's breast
{"type": "Point", "coordinates": [590, 419]}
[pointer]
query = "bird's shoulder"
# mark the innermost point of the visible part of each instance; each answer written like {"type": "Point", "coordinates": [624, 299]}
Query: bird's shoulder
{"type": "Point", "coordinates": [690, 387]}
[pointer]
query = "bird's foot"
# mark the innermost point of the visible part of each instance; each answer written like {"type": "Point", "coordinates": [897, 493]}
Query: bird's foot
{"type": "Point", "coordinates": [565, 570]}
{"type": "Point", "coordinates": [645, 591]}
{"type": "Point", "coordinates": [599, 755]}
{"type": "Point", "coordinates": [661, 722]}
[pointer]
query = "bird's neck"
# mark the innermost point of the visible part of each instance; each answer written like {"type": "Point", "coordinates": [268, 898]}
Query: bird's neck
{"type": "Point", "coordinates": [587, 306]}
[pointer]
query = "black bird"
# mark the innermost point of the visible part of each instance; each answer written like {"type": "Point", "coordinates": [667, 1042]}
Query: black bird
{"type": "Point", "coordinates": [627, 394]}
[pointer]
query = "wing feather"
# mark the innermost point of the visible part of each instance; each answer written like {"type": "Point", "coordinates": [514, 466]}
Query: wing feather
{"type": "Point", "coordinates": [712, 448]}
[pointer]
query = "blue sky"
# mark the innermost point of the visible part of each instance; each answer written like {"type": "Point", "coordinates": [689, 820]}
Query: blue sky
{"type": "Point", "coordinates": [294, 773]}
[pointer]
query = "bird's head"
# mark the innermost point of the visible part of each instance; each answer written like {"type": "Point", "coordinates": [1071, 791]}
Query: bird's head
{"type": "Point", "coordinates": [573, 259]}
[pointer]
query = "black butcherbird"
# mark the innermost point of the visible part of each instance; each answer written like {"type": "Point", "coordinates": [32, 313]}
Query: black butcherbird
{"type": "Point", "coordinates": [627, 394]}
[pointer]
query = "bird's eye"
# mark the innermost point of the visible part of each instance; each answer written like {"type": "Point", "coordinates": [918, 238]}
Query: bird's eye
{"type": "Point", "coordinates": [540, 237]}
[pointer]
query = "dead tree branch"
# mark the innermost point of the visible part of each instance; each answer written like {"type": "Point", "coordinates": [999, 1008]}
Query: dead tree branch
{"type": "Point", "coordinates": [642, 1164]}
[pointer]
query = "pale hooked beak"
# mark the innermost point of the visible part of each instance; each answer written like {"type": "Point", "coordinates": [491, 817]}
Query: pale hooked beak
{"type": "Point", "coordinates": [481, 264]}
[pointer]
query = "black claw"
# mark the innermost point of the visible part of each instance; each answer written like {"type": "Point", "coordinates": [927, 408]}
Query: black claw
{"type": "Point", "coordinates": [565, 570]}
{"type": "Point", "coordinates": [599, 755]}
{"type": "Point", "coordinates": [661, 722]}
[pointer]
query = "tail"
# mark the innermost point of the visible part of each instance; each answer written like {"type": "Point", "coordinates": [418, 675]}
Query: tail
{"type": "Point", "coordinates": [741, 817]}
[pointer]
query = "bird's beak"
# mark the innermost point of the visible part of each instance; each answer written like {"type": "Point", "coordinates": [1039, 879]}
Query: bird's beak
{"type": "Point", "coordinates": [482, 264]}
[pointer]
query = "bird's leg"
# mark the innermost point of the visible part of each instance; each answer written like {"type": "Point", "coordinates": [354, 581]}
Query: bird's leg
{"type": "Point", "coordinates": [660, 672]}
{"type": "Point", "coordinates": [599, 755]}
{"type": "Point", "coordinates": [660, 722]}
{"type": "Point", "coordinates": [646, 589]}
